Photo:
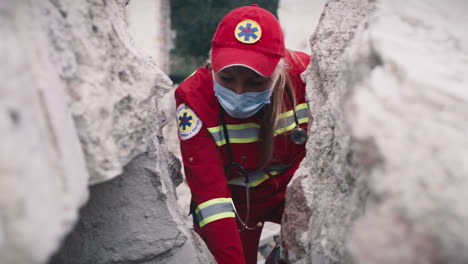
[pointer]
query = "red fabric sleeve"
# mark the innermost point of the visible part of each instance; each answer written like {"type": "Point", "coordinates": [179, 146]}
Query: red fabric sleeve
{"type": "Point", "coordinates": [204, 173]}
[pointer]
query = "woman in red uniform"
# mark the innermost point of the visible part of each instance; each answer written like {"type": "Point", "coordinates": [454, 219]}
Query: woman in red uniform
{"type": "Point", "coordinates": [242, 120]}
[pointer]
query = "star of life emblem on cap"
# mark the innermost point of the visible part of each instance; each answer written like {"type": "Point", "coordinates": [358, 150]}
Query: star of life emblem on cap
{"type": "Point", "coordinates": [188, 122]}
{"type": "Point", "coordinates": [248, 31]}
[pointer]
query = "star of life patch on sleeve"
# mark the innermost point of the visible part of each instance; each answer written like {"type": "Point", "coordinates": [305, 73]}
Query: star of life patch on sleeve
{"type": "Point", "coordinates": [188, 123]}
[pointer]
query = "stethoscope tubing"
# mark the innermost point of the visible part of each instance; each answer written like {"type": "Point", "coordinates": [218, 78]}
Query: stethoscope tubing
{"type": "Point", "coordinates": [243, 170]}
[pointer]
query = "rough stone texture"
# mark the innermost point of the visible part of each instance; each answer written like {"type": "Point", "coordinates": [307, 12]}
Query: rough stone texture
{"type": "Point", "coordinates": [43, 176]}
{"type": "Point", "coordinates": [413, 104]}
{"type": "Point", "coordinates": [133, 219]}
{"type": "Point", "coordinates": [111, 85]}
{"type": "Point", "coordinates": [71, 61]}
{"type": "Point", "coordinates": [327, 186]}
{"type": "Point", "coordinates": [384, 180]}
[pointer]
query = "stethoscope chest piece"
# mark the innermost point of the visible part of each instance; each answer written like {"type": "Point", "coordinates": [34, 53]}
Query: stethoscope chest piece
{"type": "Point", "coordinates": [298, 136]}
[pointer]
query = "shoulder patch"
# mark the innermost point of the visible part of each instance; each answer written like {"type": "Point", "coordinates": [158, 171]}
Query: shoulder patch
{"type": "Point", "coordinates": [188, 123]}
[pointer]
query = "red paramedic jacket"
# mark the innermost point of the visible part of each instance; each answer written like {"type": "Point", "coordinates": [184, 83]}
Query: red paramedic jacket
{"type": "Point", "coordinates": [204, 156]}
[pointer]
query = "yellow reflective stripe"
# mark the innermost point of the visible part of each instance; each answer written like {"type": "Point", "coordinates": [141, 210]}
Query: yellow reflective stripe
{"type": "Point", "coordinates": [284, 129]}
{"type": "Point", "coordinates": [275, 172]}
{"type": "Point", "coordinates": [286, 114]}
{"type": "Point", "coordinates": [291, 126]}
{"type": "Point", "coordinates": [211, 202]}
{"type": "Point", "coordinates": [243, 140]}
{"type": "Point", "coordinates": [237, 140]}
{"type": "Point", "coordinates": [221, 142]}
{"type": "Point", "coordinates": [264, 178]}
{"type": "Point", "coordinates": [215, 131]}
{"type": "Point", "coordinates": [231, 126]}
{"type": "Point", "coordinates": [240, 180]}
{"type": "Point", "coordinates": [291, 112]}
{"type": "Point", "coordinates": [257, 182]}
{"type": "Point", "coordinates": [301, 106]}
{"type": "Point", "coordinates": [234, 180]}
{"type": "Point", "coordinates": [216, 217]}
{"type": "Point", "coordinates": [303, 120]}
{"type": "Point", "coordinates": [234, 127]}
{"type": "Point", "coordinates": [250, 125]}
{"type": "Point", "coordinates": [210, 212]}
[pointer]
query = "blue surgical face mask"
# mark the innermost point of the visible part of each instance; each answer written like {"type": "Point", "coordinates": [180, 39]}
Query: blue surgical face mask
{"type": "Point", "coordinates": [241, 105]}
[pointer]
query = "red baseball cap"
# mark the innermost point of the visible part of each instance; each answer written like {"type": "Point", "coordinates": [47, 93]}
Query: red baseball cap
{"type": "Point", "coordinates": [248, 36]}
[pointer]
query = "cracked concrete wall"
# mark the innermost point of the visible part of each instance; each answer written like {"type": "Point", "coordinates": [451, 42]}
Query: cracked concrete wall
{"type": "Point", "coordinates": [384, 179]}
{"type": "Point", "coordinates": [327, 193]}
{"type": "Point", "coordinates": [79, 108]}
{"type": "Point", "coordinates": [133, 219]}
{"type": "Point", "coordinates": [413, 104]}
{"type": "Point", "coordinates": [111, 84]}
{"type": "Point", "coordinates": [43, 176]}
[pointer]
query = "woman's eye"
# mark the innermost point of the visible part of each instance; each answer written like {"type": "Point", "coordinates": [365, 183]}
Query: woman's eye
{"type": "Point", "coordinates": [227, 79]}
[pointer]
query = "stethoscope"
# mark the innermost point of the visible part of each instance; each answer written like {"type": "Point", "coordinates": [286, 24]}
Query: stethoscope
{"type": "Point", "coordinates": [298, 136]}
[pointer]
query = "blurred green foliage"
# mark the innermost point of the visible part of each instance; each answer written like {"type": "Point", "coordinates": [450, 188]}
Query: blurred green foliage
{"type": "Point", "coordinates": [195, 22]}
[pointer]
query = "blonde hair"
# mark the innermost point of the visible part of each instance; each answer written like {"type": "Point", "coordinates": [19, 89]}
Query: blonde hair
{"type": "Point", "coordinates": [269, 121]}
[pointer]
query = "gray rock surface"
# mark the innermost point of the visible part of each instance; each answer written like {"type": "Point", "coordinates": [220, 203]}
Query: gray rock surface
{"type": "Point", "coordinates": [111, 85]}
{"type": "Point", "coordinates": [413, 104]}
{"type": "Point", "coordinates": [43, 176]}
{"type": "Point", "coordinates": [327, 193]}
{"type": "Point", "coordinates": [384, 180]}
{"type": "Point", "coordinates": [133, 219]}
{"type": "Point", "coordinates": [71, 61]}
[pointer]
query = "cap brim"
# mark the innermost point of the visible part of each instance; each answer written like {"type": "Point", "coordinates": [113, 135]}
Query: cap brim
{"type": "Point", "coordinates": [224, 57]}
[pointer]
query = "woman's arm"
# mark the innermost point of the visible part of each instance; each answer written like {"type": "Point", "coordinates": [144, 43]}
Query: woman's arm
{"type": "Point", "coordinates": [213, 213]}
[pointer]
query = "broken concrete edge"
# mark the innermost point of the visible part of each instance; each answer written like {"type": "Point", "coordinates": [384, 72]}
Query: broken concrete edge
{"type": "Point", "coordinates": [113, 87]}
{"type": "Point", "coordinates": [132, 218]}
{"type": "Point", "coordinates": [338, 193]}
{"type": "Point", "coordinates": [290, 240]}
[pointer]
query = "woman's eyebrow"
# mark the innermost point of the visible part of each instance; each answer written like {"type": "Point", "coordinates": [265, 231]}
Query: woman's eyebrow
{"type": "Point", "coordinates": [226, 71]}
{"type": "Point", "coordinates": [252, 74]}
